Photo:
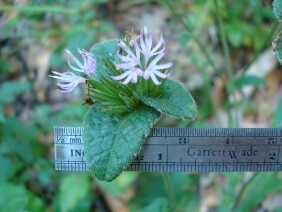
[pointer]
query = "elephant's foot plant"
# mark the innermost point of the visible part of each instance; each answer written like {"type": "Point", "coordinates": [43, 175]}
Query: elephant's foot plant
{"type": "Point", "coordinates": [129, 89]}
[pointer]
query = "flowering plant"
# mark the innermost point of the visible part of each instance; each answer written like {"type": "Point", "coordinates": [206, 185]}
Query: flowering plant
{"type": "Point", "coordinates": [128, 89]}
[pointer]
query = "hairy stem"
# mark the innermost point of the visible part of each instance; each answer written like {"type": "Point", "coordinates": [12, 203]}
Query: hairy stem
{"type": "Point", "coordinates": [169, 189]}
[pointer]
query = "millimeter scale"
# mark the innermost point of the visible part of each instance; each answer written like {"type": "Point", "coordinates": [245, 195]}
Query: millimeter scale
{"type": "Point", "coordinates": [185, 150]}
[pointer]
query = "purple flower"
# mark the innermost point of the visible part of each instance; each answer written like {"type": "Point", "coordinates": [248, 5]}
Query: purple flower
{"type": "Point", "coordinates": [142, 59]}
{"type": "Point", "coordinates": [130, 75]}
{"type": "Point", "coordinates": [89, 62]}
{"type": "Point", "coordinates": [69, 80]}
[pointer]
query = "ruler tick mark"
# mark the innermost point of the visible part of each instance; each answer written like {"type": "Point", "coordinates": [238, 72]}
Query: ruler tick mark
{"type": "Point", "coordinates": [255, 150]}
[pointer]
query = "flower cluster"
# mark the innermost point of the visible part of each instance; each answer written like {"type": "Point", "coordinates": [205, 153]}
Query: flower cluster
{"type": "Point", "coordinates": [142, 59]}
{"type": "Point", "coordinates": [138, 58]}
{"type": "Point", "coordinates": [69, 79]}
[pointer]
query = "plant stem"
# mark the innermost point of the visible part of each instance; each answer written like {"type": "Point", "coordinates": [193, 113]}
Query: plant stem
{"type": "Point", "coordinates": [187, 27]}
{"type": "Point", "coordinates": [203, 72]}
{"type": "Point", "coordinates": [169, 189]}
{"type": "Point", "coordinates": [242, 190]}
{"type": "Point", "coordinates": [226, 53]}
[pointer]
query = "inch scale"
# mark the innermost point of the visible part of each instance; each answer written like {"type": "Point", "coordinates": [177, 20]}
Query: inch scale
{"type": "Point", "coordinates": [185, 150]}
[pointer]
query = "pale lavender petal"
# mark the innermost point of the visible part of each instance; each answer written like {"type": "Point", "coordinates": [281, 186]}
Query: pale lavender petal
{"type": "Point", "coordinates": [75, 59]}
{"type": "Point", "coordinates": [120, 56]}
{"type": "Point", "coordinates": [54, 76]}
{"type": "Point", "coordinates": [163, 66]}
{"type": "Point", "coordinates": [155, 60]}
{"type": "Point", "coordinates": [69, 81]}
{"type": "Point", "coordinates": [123, 75]}
{"type": "Point", "coordinates": [128, 65]}
{"type": "Point", "coordinates": [139, 72]}
{"type": "Point", "coordinates": [130, 59]}
{"type": "Point", "coordinates": [155, 80]}
{"type": "Point", "coordinates": [159, 44]}
{"type": "Point", "coordinates": [160, 74]}
{"type": "Point", "coordinates": [125, 82]}
{"type": "Point", "coordinates": [125, 48]}
{"type": "Point", "coordinates": [149, 42]}
{"type": "Point", "coordinates": [146, 75]}
{"type": "Point", "coordinates": [62, 76]}
{"type": "Point", "coordinates": [134, 78]}
{"type": "Point", "coordinates": [125, 58]}
{"type": "Point", "coordinates": [89, 64]}
{"type": "Point", "coordinates": [67, 87]}
{"type": "Point", "coordinates": [73, 68]}
{"type": "Point", "coordinates": [143, 47]}
{"type": "Point", "coordinates": [145, 30]}
{"type": "Point", "coordinates": [137, 50]}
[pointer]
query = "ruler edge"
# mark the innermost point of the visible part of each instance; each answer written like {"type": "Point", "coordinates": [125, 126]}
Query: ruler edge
{"type": "Point", "coordinates": [183, 131]}
{"type": "Point", "coordinates": [162, 129]}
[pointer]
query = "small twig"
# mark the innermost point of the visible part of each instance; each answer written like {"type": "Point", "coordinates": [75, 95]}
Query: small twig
{"type": "Point", "coordinates": [241, 192]}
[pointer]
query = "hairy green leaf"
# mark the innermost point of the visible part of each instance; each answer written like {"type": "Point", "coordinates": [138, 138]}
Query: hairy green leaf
{"type": "Point", "coordinates": [111, 141]}
{"type": "Point", "coordinates": [173, 100]}
{"type": "Point", "coordinates": [102, 51]}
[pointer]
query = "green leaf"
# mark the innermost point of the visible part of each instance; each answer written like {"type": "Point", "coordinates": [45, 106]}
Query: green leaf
{"type": "Point", "coordinates": [38, 9]}
{"type": "Point", "coordinates": [277, 8]}
{"type": "Point", "coordinates": [174, 100]}
{"type": "Point", "coordinates": [102, 51]}
{"type": "Point", "coordinates": [81, 39]}
{"type": "Point", "coordinates": [119, 186]}
{"type": "Point", "coordinates": [9, 90]}
{"type": "Point", "coordinates": [158, 205]}
{"type": "Point", "coordinates": [74, 190]}
{"type": "Point", "coordinates": [185, 190]}
{"type": "Point", "coordinates": [17, 198]}
{"type": "Point", "coordinates": [8, 168]}
{"type": "Point", "coordinates": [263, 185]}
{"type": "Point", "coordinates": [111, 141]}
{"type": "Point", "coordinates": [184, 38]}
{"type": "Point", "coordinates": [249, 80]}
{"type": "Point", "coordinates": [229, 191]}
{"type": "Point", "coordinates": [277, 118]}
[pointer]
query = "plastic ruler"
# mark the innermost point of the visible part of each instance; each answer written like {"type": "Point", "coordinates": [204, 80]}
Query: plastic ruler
{"type": "Point", "coordinates": [185, 150]}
